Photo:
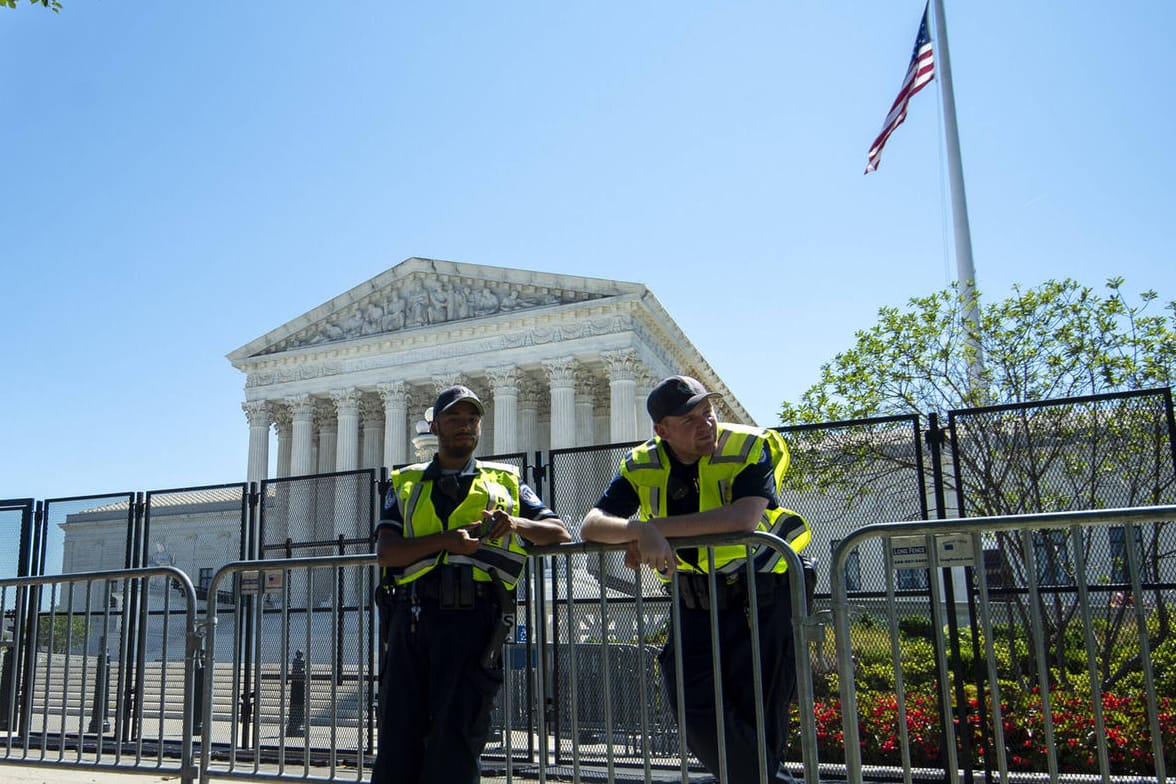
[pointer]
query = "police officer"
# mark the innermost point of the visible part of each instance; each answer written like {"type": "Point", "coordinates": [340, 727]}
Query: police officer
{"type": "Point", "coordinates": [699, 476]}
{"type": "Point", "coordinates": [452, 538]}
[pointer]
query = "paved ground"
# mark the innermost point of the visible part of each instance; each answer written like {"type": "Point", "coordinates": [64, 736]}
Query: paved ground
{"type": "Point", "coordinates": [25, 774]}
{"type": "Point", "coordinates": [15, 774]}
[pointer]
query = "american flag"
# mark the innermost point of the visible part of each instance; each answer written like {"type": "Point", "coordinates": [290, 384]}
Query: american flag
{"type": "Point", "coordinates": [920, 71]}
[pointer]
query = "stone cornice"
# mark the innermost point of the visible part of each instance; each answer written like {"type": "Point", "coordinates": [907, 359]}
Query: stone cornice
{"type": "Point", "coordinates": [479, 338]}
{"type": "Point", "coordinates": [423, 293]}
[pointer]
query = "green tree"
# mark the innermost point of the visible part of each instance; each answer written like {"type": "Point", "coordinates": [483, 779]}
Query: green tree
{"type": "Point", "coordinates": [1041, 347]}
{"type": "Point", "coordinates": [1059, 340]}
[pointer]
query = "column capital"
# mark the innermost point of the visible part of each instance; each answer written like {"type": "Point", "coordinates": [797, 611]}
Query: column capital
{"type": "Point", "coordinates": [561, 371]}
{"type": "Point", "coordinates": [392, 391]}
{"type": "Point", "coordinates": [622, 365]}
{"type": "Point", "coordinates": [443, 380]}
{"type": "Point", "coordinates": [504, 378]}
{"type": "Point", "coordinates": [258, 412]}
{"type": "Point", "coordinates": [301, 407]}
{"type": "Point", "coordinates": [586, 384]}
{"type": "Point", "coordinates": [371, 410]}
{"type": "Point", "coordinates": [282, 416]}
{"type": "Point", "coordinates": [324, 415]}
{"type": "Point", "coordinates": [347, 400]}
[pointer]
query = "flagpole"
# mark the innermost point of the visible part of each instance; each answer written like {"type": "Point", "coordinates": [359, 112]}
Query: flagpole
{"type": "Point", "coordinates": [965, 268]}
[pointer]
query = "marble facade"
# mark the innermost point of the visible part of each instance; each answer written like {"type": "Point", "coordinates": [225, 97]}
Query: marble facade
{"type": "Point", "coordinates": [559, 360]}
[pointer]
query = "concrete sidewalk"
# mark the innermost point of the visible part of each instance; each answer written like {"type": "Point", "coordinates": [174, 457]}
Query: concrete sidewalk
{"type": "Point", "coordinates": [11, 773]}
{"type": "Point", "coordinates": [24, 774]}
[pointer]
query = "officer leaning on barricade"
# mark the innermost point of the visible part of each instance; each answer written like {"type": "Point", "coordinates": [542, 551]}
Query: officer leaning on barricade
{"type": "Point", "coordinates": [699, 476]}
{"type": "Point", "coordinates": [452, 540]}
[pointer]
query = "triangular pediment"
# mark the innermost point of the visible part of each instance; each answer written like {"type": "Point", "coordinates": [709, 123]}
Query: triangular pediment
{"type": "Point", "coordinates": [423, 293]}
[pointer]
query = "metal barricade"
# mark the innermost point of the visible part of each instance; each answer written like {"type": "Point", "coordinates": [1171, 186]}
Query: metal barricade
{"type": "Point", "coordinates": [76, 690]}
{"type": "Point", "coordinates": [289, 691]}
{"type": "Point", "coordinates": [298, 702]}
{"type": "Point", "coordinates": [1038, 704]}
{"type": "Point", "coordinates": [604, 707]}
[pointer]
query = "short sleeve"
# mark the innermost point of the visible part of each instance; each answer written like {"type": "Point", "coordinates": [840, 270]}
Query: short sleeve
{"type": "Point", "coordinates": [619, 499]}
{"type": "Point", "coordinates": [758, 480]}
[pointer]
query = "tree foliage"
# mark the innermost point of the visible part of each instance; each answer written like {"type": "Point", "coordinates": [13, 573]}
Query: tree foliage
{"type": "Point", "coordinates": [1055, 350]}
{"type": "Point", "coordinates": [52, 5]}
{"type": "Point", "coordinates": [1058, 340]}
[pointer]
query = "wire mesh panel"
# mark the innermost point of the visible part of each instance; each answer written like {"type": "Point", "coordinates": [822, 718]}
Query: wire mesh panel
{"type": "Point", "coordinates": [86, 533]}
{"type": "Point", "coordinates": [1107, 451]}
{"type": "Point", "coordinates": [16, 533]}
{"type": "Point", "coordinates": [848, 474]}
{"type": "Point", "coordinates": [197, 529]}
{"type": "Point", "coordinates": [324, 514]}
{"type": "Point", "coordinates": [1101, 452]}
{"type": "Point", "coordinates": [578, 477]}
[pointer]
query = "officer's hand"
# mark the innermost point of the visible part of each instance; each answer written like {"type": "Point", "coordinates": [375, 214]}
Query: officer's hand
{"type": "Point", "coordinates": [655, 551]}
{"type": "Point", "coordinates": [632, 556]}
{"type": "Point", "coordinates": [500, 523]}
{"type": "Point", "coordinates": [464, 540]}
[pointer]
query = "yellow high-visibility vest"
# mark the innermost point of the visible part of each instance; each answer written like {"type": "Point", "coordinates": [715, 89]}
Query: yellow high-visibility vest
{"type": "Point", "coordinates": [647, 468]}
{"type": "Point", "coordinates": [496, 486]}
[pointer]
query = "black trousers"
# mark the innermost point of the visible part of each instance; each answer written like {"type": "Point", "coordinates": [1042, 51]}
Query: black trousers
{"type": "Point", "coordinates": [778, 662]}
{"type": "Point", "coordinates": [435, 696]}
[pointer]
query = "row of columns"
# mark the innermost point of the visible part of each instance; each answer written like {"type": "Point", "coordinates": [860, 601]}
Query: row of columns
{"type": "Point", "coordinates": [364, 428]}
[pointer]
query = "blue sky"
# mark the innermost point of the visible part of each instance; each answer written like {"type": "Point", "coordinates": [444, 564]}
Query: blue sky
{"type": "Point", "coordinates": [179, 178]}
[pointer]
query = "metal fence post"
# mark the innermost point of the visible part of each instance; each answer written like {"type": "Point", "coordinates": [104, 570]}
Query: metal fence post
{"type": "Point", "coordinates": [99, 723]}
{"type": "Point", "coordinates": [296, 725]}
{"type": "Point", "coordinates": [7, 654]}
{"type": "Point", "coordinates": [198, 697]}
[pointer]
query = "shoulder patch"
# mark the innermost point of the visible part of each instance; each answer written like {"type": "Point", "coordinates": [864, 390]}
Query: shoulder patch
{"type": "Point", "coordinates": [390, 498]}
{"type": "Point", "coordinates": [528, 496]}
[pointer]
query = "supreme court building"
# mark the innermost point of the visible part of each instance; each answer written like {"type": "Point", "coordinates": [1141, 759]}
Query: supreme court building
{"type": "Point", "coordinates": [559, 361]}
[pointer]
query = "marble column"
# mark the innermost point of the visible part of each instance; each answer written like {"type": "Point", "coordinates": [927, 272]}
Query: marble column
{"type": "Point", "coordinates": [601, 412]}
{"type": "Point", "coordinates": [302, 435]}
{"type": "Point", "coordinates": [371, 411]}
{"type": "Point", "coordinates": [561, 375]}
{"type": "Point", "coordinates": [347, 440]}
{"type": "Point", "coordinates": [504, 386]}
{"type": "Point", "coordinates": [622, 385]}
{"type": "Point", "coordinates": [395, 397]}
{"type": "Point", "coordinates": [585, 407]}
{"type": "Point", "coordinates": [283, 424]}
{"type": "Point", "coordinates": [528, 403]}
{"type": "Point", "coordinates": [348, 489]}
{"type": "Point", "coordinates": [646, 381]}
{"type": "Point", "coordinates": [257, 412]}
{"type": "Point", "coordinates": [328, 435]}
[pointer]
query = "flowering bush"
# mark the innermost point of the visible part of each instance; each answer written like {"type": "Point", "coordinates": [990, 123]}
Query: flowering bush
{"type": "Point", "coordinates": [1128, 736]}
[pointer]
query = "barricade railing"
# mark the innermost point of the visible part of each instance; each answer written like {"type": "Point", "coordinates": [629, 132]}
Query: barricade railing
{"type": "Point", "coordinates": [630, 602]}
{"type": "Point", "coordinates": [287, 704]}
{"type": "Point", "coordinates": [290, 693]}
{"type": "Point", "coordinates": [88, 663]}
{"type": "Point", "coordinates": [1050, 561]}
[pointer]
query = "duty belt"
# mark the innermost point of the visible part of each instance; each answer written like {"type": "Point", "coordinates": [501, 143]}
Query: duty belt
{"type": "Point", "coordinates": [451, 588]}
{"type": "Point", "coordinates": [694, 590]}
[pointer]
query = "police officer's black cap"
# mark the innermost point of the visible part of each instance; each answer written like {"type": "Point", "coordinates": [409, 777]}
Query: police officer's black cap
{"type": "Point", "coordinates": [451, 396]}
{"type": "Point", "coordinates": [675, 396]}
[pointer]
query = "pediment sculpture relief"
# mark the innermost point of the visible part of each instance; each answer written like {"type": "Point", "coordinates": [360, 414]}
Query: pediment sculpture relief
{"type": "Point", "coordinates": [423, 301]}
